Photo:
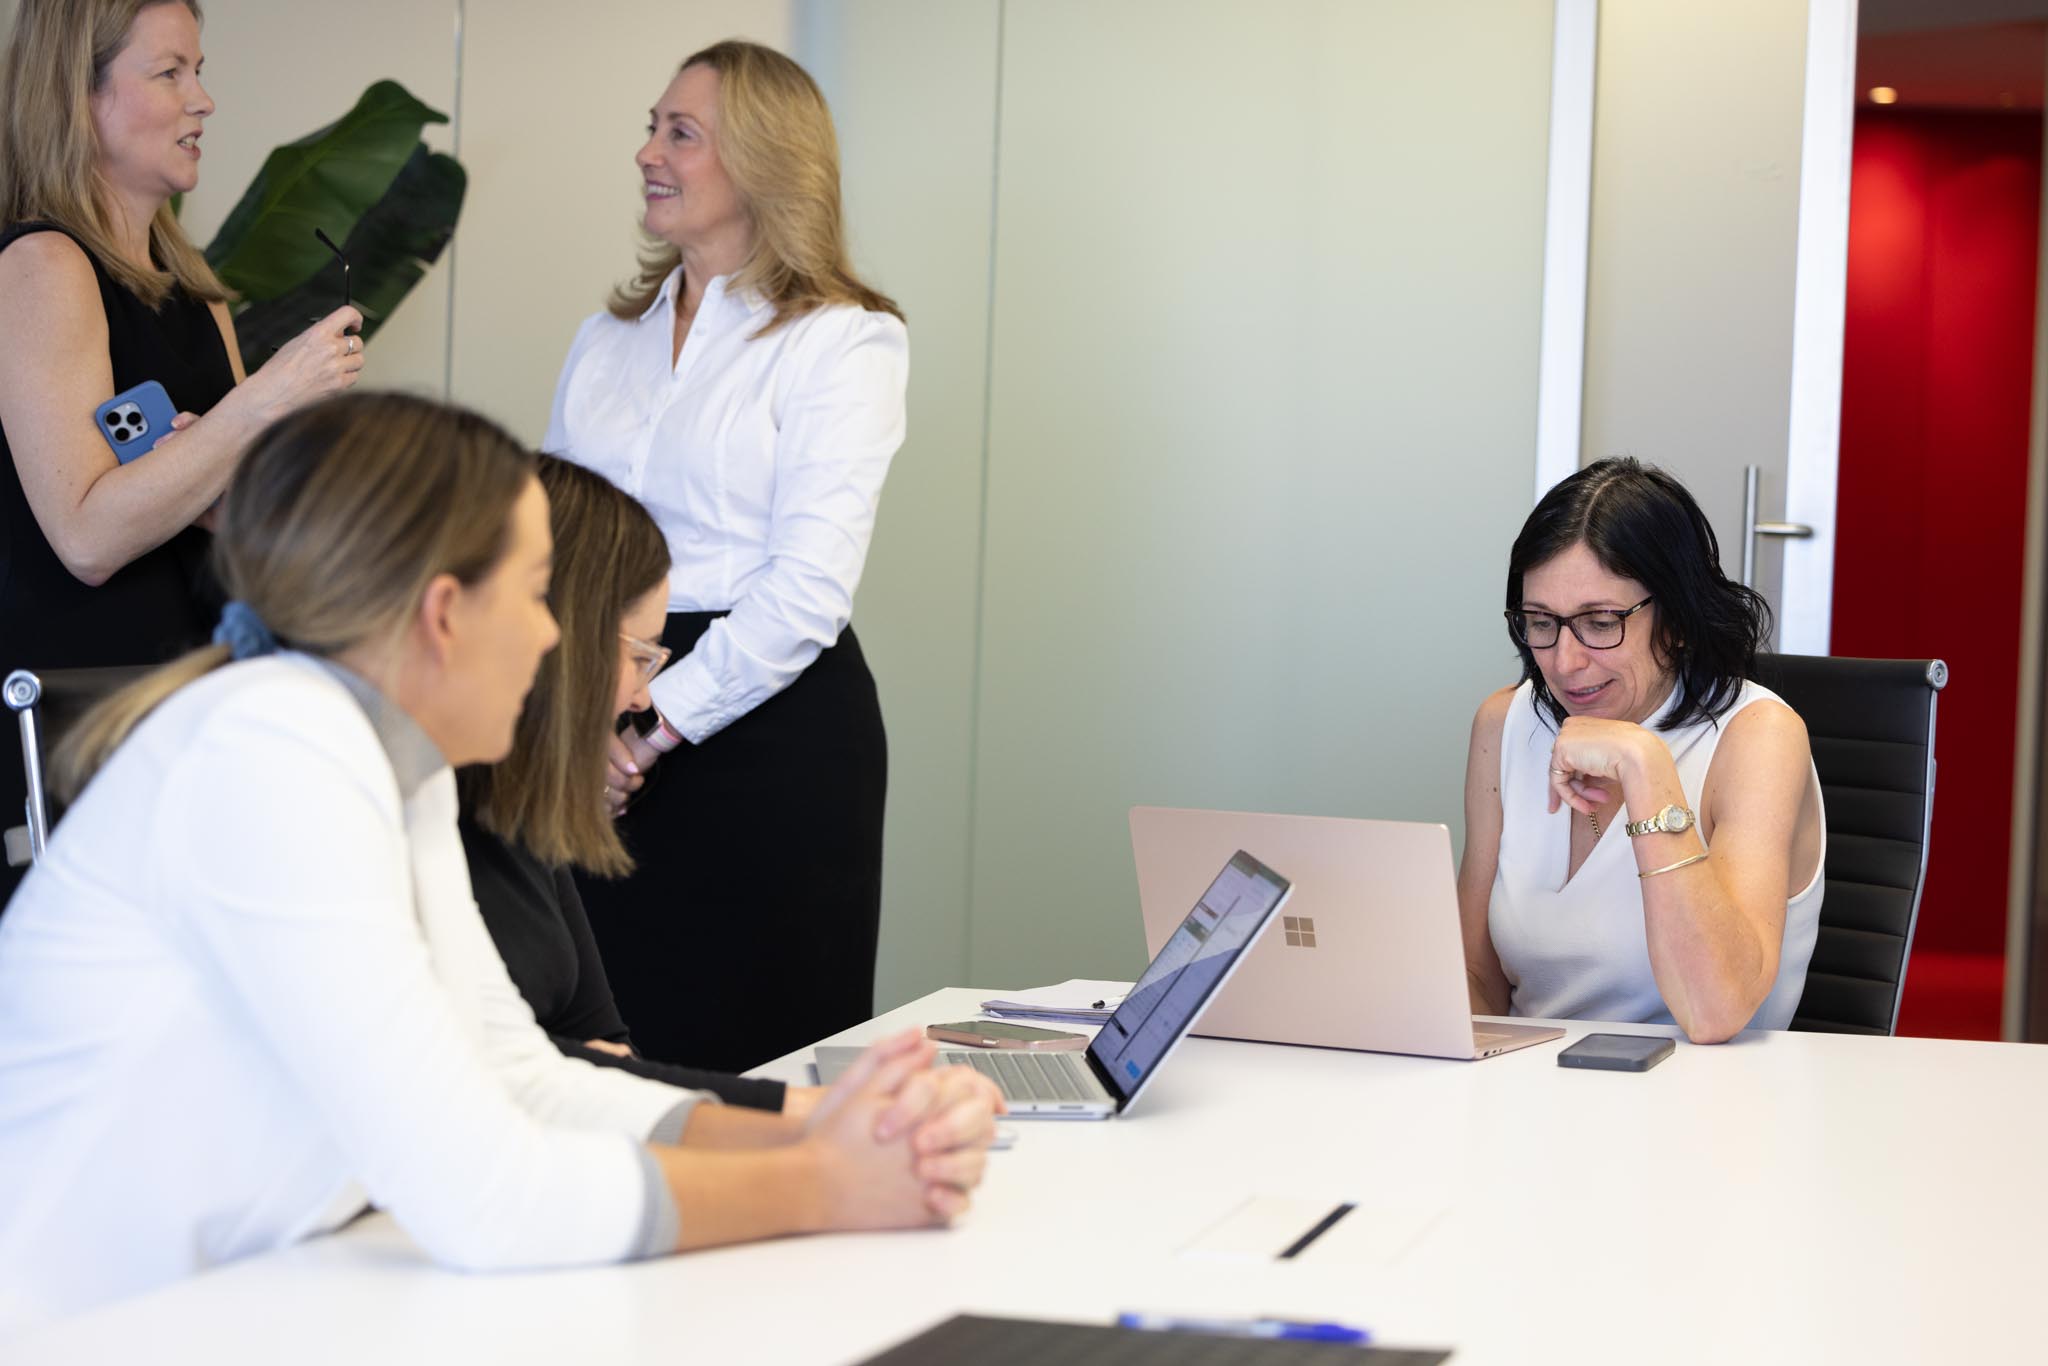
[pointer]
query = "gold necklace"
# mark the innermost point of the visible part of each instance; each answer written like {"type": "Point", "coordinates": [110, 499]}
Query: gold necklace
{"type": "Point", "coordinates": [1595, 819]}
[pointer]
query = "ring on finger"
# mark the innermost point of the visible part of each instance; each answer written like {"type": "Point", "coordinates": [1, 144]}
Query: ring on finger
{"type": "Point", "coordinates": [350, 346]}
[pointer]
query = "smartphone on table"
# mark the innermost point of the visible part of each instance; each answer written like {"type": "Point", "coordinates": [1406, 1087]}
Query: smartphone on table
{"type": "Point", "coordinates": [998, 1034]}
{"type": "Point", "coordinates": [1616, 1052]}
{"type": "Point", "coordinates": [134, 420]}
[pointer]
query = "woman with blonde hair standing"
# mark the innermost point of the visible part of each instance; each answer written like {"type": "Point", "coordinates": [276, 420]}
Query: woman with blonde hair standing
{"type": "Point", "coordinates": [748, 388]}
{"type": "Point", "coordinates": [102, 563]}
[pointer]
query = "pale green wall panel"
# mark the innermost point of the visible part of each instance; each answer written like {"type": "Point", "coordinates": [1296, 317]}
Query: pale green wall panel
{"type": "Point", "coordinates": [1265, 347]}
{"type": "Point", "coordinates": [913, 89]}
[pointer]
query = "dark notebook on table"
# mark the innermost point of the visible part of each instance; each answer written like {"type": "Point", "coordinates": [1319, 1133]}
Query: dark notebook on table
{"type": "Point", "coordinates": [1030, 1342]}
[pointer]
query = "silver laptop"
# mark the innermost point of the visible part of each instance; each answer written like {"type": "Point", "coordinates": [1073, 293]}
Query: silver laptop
{"type": "Point", "coordinates": [1192, 960]}
{"type": "Point", "coordinates": [1369, 953]}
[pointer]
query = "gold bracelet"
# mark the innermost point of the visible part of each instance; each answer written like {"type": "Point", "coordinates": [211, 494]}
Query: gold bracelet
{"type": "Point", "coordinates": [1673, 867]}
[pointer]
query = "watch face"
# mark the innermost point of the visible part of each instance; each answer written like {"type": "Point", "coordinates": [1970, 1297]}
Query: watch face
{"type": "Point", "coordinates": [1675, 819]}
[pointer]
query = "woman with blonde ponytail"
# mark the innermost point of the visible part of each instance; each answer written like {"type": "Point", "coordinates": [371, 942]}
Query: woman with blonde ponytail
{"type": "Point", "coordinates": [248, 993]}
{"type": "Point", "coordinates": [749, 389]}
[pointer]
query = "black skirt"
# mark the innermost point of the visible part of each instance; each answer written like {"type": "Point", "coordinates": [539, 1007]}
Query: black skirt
{"type": "Point", "coordinates": [748, 926]}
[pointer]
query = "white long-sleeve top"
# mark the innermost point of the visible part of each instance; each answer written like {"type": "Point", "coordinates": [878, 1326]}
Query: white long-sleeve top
{"type": "Point", "coordinates": [762, 458]}
{"type": "Point", "coordinates": [249, 990]}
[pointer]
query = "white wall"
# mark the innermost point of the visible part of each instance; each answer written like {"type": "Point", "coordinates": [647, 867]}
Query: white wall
{"type": "Point", "coordinates": [914, 86]}
{"type": "Point", "coordinates": [1260, 351]}
{"type": "Point", "coordinates": [1266, 322]}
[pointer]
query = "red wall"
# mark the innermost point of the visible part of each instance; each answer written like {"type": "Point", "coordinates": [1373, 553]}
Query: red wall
{"type": "Point", "coordinates": [1931, 518]}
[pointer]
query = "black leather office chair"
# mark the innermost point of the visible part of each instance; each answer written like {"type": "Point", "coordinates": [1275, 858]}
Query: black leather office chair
{"type": "Point", "coordinates": [1871, 722]}
{"type": "Point", "coordinates": [46, 703]}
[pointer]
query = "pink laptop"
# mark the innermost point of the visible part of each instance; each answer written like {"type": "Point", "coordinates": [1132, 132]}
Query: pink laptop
{"type": "Point", "coordinates": [1367, 954]}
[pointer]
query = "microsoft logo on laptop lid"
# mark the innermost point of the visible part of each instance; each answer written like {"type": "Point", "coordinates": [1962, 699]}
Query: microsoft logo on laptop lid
{"type": "Point", "coordinates": [1300, 931]}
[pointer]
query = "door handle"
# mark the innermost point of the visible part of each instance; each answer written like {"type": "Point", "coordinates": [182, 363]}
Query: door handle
{"type": "Point", "coordinates": [1752, 528]}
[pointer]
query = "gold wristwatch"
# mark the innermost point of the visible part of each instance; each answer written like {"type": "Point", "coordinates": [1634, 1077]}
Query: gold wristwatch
{"type": "Point", "coordinates": [1672, 820]}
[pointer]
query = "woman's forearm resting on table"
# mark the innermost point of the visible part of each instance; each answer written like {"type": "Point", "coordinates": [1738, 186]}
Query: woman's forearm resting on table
{"type": "Point", "coordinates": [741, 1196]}
{"type": "Point", "coordinates": [734, 1127]}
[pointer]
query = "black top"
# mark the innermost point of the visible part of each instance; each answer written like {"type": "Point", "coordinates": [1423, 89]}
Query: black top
{"type": "Point", "coordinates": [537, 920]}
{"type": "Point", "coordinates": [163, 602]}
{"type": "Point", "coordinates": [154, 608]}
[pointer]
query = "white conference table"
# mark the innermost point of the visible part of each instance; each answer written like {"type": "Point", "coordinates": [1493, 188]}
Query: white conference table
{"type": "Point", "coordinates": [1781, 1198]}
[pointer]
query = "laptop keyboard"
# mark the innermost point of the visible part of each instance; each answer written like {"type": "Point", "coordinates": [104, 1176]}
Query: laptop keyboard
{"type": "Point", "coordinates": [1023, 1075]}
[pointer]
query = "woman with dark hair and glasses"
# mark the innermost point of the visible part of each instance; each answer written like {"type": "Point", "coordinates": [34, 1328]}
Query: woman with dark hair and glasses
{"type": "Point", "coordinates": [1643, 822]}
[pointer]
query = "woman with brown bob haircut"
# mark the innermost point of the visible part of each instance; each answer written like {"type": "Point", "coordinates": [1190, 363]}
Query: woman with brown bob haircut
{"type": "Point", "coordinates": [247, 993]}
{"type": "Point", "coordinates": [747, 387]}
{"type": "Point", "coordinates": [103, 562]}
{"type": "Point", "coordinates": [530, 818]}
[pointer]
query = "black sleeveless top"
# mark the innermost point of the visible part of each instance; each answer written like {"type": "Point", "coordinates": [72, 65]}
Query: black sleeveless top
{"type": "Point", "coordinates": [150, 610]}
{"type": "Point", "coordinates": [162, 603]}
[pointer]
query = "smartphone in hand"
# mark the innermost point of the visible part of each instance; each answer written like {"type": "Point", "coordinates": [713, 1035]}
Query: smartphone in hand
{"type": "Point", "coordinates": [135, 420]}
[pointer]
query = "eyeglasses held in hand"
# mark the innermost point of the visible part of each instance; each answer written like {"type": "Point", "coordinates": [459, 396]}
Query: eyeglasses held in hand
{"type": "Point", "coordinates": [647, 658]}
{"type": "Point", "coordinates": [1599, 630]}
{"type": "Point", "coordinates": [347, 296]}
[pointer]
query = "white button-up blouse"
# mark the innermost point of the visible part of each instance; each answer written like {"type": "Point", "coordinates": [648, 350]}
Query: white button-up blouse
{"type": "Point", "coordinates": [762, 458]}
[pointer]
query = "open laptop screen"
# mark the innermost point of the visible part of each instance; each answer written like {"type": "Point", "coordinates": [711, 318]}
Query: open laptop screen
{"type": "Point", "coordinates": [1190, 967]}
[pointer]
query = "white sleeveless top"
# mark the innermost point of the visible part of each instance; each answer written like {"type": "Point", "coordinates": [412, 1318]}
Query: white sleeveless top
{"type": "Point", "coordinates": [1578, 950]}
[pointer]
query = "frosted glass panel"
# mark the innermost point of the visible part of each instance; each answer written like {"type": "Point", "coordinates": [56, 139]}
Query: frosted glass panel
{"type": "Point", "coordinates": [1262, 425]}
{"type": "Point", "coordinates": [912, 85]}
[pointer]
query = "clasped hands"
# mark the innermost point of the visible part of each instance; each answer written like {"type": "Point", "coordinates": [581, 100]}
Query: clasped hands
{"type": "Point", "coordinates": [942, 1120]}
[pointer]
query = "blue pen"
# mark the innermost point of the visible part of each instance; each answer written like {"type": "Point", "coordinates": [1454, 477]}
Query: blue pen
{"type": "Point", "coordinates": [1245, 1328]}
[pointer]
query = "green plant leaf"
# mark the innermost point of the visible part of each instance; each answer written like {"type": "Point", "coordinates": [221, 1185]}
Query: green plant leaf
{"type": "Point", "coordinates": [390, 249]}
{"type": "Point", "coordinates": [327, 179]}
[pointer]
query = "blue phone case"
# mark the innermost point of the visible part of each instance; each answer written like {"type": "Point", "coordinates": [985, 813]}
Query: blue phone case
{"type": "Point", "coordinates": [134, 421]}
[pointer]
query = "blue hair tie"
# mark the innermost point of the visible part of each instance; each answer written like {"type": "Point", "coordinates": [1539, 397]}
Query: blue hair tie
{"type": "Point", "coordinates": [243, 632]}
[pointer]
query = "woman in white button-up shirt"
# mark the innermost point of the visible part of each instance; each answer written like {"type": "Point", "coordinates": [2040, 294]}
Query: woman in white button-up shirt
{"type": "Point", "coordinates": [748, 389]}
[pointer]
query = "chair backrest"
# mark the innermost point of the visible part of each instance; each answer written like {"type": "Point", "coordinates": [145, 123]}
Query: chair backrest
{"type": "Point", "coordinates": [1871, 723]}
{"type": "Point", "coordinates": [47, 703]}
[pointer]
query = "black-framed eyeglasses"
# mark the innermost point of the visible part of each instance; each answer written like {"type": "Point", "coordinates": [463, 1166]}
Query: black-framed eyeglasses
{"type": "Point", "coordinates": [1602, 629]}
{"type": "Point", "coordinates": [347, 295]}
